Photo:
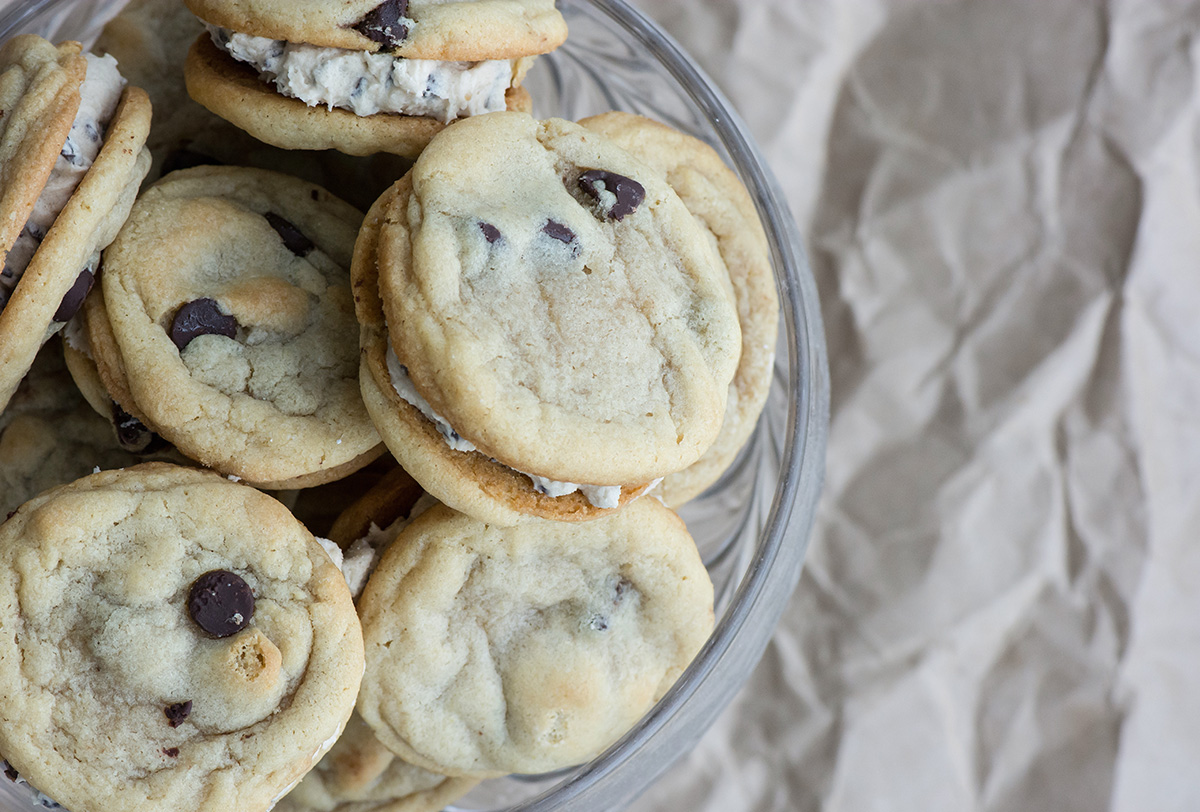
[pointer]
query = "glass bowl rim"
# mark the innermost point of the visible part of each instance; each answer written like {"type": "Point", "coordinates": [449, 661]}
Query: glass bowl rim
{"type": "Point", "coordinates": [731, 653]}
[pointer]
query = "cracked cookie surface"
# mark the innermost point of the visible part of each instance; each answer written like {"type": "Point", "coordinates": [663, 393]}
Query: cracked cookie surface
{"type": "Point", "coordinates": [555, 302]}
{"type": "Point", "coordinates": [530, 648]}
{"type": "Point", "coordinates": [232, 326]}
{"type": "Point", "coordinates": [116, 693]}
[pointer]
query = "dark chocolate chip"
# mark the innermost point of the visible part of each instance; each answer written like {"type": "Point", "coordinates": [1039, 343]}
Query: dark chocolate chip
{"type": "Point", "coordinates": [132, 434]}
{"type": "Point", "coordinates": [220, 603]}
{"type": "Point", "coordinates": [172, 752]}
{"type": "Point", "coordinates": [622, 586]}
{"type": "Point", "coordinates": [11, 513]}
{"type": "Point", "coordinates": [184, 158]}
{"type": "Point", "coordinates": [385, 23]}
{"type": "Point", "coordinates": [558, 231]}
{"type": "Point", "coordinates": [490, 232]}
{"type": "Point", "coordinates": [12, 774]}
{"type": "Point", "coordinates": [73, 300]}
{"type": "Point", "coordinates": [359, 88]}
{"type": "Point", "coordinates": [628, 192]}
{"type": "Point", "coordinates": [293, 240]}
{"type": "Point", "coordinates": [178, 712]}
{"type": "Point", "coordinates": [92, 132]}
{"type": "Point", "coordinates": [199, 318]}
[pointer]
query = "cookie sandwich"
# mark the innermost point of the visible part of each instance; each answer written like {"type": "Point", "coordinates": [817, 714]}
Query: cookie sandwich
{"type": "Point", "coordinates": [225, 325]}
{"type": "Point", "coordinates": [726, 213]}
{"type": "Point", "coordinates": [526, 649]}
{"type": "Point", "coordinates": [174, 641]}
{"type": "Point", "coordinates": [546, 330]}
{"type": "Point", "coordinates": [364, 77]}
{"type": "Point", "coordinates": [72, 135]}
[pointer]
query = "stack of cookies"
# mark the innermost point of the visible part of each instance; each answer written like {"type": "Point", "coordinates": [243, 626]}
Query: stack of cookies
{"type": "Point", "coordinates": [479, 402]}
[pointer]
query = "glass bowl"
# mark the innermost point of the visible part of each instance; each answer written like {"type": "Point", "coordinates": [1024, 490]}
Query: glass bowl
{"type": "Point", "coordinates": [752, 526]}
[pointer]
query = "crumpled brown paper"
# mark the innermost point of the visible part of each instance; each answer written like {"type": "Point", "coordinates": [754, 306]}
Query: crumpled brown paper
{"type": "Point", "coordinates": [1000, 610]}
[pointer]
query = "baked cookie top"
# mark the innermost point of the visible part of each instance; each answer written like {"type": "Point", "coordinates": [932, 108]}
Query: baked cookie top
{"type": "Point", "coordinates": [361, 775]}
{"type": "Point", "coordinates": [449, 30]}
{"type": "Point", "coordinates": [723, 207]}
{"type": "Point", "coordinates": [175, 642]}
{"type": "Point", "coordinates": [232, 324]}
{"type": "Point", "coordinates": [552, 298]}
{"type": "Point", "coordinates": [467, 480]}
{"type": "Point", "coordinates": [531, 648]}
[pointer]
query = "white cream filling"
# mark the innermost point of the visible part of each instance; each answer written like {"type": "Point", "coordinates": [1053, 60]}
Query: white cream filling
{"type": "Point", "coordinates": [368, 83]}
{"type": "Point", "coordinates": [98, 97]}
{"type": "Point", "coordinates": [601, 496]}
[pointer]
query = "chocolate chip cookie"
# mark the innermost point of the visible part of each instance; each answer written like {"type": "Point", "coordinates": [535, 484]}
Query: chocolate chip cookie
{"type": "Point", "coordinates": [175, 642]}
{"type": "Point", "coordinates": [494, 650]}
{"type": "Point", "coordinates": [552, 312]}
{"type": "Point", "coordinates": [227, 326]}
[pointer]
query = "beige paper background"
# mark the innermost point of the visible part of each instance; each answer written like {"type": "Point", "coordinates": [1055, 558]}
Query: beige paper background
{"type": "Point", "coordinates": [1001, 604]}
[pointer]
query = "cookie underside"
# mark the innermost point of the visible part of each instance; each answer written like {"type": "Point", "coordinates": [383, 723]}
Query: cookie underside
{"type": "Point", "coordinates": [234, 92]}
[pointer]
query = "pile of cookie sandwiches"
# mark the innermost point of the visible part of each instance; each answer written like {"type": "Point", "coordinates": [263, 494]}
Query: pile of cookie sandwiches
{"type": "Point", "coordinates": [312, 509]}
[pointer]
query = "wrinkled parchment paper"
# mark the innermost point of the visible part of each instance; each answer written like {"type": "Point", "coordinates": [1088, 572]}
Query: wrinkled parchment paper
{"type": "Point", "coordinates": [1000, 609]}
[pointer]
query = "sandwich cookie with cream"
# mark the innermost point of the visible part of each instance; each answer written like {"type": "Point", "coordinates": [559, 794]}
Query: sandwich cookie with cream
{"type": "Point", "coordinates": [546, 329]}
{"type": "Point", "coordinates": [72, 157]}
{"type": "Point", "coordinates": [363, 77]}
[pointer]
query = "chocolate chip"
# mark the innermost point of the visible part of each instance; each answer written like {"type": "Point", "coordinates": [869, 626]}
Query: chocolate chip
{"type": "Point", "coordinates": [293, 240]}
{"type": "Point", "coordinates": [490, 232]}
{"type": "Point", "coordinates": [628, 192]}
{"type": "Point", "coordinates": [622, 586]}
{"type": "Point", "coordinates": [184, 158]}
{"type": "Point", "coordinates": [220, 603]}
{"type": "Point", "coordinates": [199, 318]}
{"type": "Point", "coordinates": [178, 712]}
{"type": "Point", "coordinates": [132, 434]}
{"type": "Point", "coordinates": [385, 23]}
{"type": "Point", "coordinates": [558, 231]}
{"type": "Point", "coordinates": [172, 752]}
{"type": "Point", "coordinates": [12, 774]}
{"type": "Point", "coordinates": [73, 300]}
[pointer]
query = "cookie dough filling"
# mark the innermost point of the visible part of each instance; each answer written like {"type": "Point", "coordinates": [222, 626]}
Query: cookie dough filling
{"type": "Point", "coordinates": [99, 94]}
{"type": "Point", "coordinates": [368, 83]}
{"type": "Point", "coordinates": [601, 496]}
